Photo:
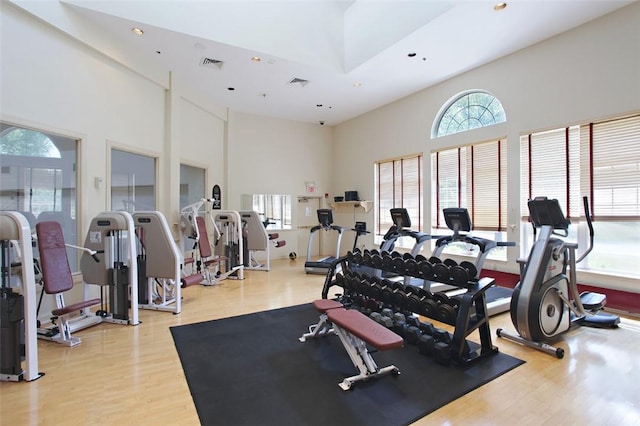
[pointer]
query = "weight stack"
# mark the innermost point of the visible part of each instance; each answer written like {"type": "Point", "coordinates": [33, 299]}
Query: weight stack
{"type": "Point", "coordinates": [143, 297]}
{"type": "Point", "coordinates": [118, 292]}
{"type": "Point", "coordinates": [11, 331]}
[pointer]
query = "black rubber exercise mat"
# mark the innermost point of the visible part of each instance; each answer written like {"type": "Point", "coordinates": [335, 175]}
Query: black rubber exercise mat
{"type": "Point", "coordinates": [252, 370]}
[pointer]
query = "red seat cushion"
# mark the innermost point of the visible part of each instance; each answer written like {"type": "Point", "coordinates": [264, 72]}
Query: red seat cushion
{"type": "Point", "coordinates": [323, 305]}
{"type": "Point", "coordinates": [365, 328]}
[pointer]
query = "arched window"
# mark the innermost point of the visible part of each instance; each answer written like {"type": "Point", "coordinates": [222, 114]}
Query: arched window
{"type": "Point", "coordinates": [469, 110]}
{"type": "Point", "coordinates": [26, 142]}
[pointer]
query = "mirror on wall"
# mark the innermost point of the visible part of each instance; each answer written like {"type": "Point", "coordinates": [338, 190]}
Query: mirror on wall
{"type": "Point", "coordinates": [274, 209]}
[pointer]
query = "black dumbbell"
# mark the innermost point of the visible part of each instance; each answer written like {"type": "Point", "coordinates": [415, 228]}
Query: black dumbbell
{"type": "Point", "coordinates": [415, 295]}
{"type": "Point", "coordinates": [387, 322]}
{"type": "Point", "coordinates": [411, 268]}
{"type": "Point", "coordinates": [442, 353]}
{"type": "Point", "coordinates": [427, 328]}
{"type": "Point", "coordinates": [463, 273]}
{"type": "Point", "coordinates": [399, 298]}
{"type": "Point", "coordinates": [387, 261]}
{"type": "Point", "coordinates": [426, 270]}
{"type": "Point", "coordinates": [425, 344]}
{"type": "Point", "coordinates": [376, 260]}
{"type": "Point", "coordinates": [412, 334]}
{"type": "Point", "coordinates": [442, 270]}
{"type": "Point", "coordinates": [420, 258]}
{"type": "Point", "coordinates": [387, 291]}
{"type": "Point", "coordinates": [366, 258]}
{"type": "Point", "coordinates": [376, 288]}
{"type": "Point", "coordinates": [398, 265]}
{"type": "Point", "coordinates": [446, 313]}
{"type": "Point", "coordinates": [441, 335]}
{"type": "Point", "coordinates": [407, 256]}
{"type": "Point", "coordinates": [447, 308]}
{"type": "Point", "coordinates": [428, 307]}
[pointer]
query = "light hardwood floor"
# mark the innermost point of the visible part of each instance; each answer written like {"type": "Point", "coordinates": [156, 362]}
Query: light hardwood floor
{"type": "Point", "coordinates": [128, 375]}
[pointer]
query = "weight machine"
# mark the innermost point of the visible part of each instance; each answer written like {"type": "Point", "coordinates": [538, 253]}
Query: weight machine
{"type": "Point", "coordinates": [227, 249]}
{"type": "Point", "coordinates": [159, 263]}
{"type": "Point", "coordinates": [546, 302]}
{"type": "Point", "coordinates": [112, 236]}
{"type": "Point", "coordinates": [18, 328]}
{"type": "Point", "coordinates": [256, 238]}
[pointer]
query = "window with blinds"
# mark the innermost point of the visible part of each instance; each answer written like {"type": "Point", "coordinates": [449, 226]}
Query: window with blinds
{"type": "Point", "coordinates": [473, 177]}
{"type": "Point", "coordinates": [398, 184]}
{"type": "Point", "coordinates": [615, 172]}
{"type": "Point", "coordinates": [602, 162]}
{"type": "Point", "coordinates": [598, 160]}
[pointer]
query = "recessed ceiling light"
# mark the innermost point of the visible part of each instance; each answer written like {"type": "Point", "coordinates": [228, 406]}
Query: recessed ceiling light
{"type": "Point", "coordinates": [411, 55]}
{"type": "Point", "coordinates": [231, 89]}
{"type": "Point", "coordinates": [137, 31]}
{"type": "Point", "coordinates": [499, 6]}
{"type": "Point", "coordinates": [256, 59]}
{"type": "Point", "coordinates": [357, 84]}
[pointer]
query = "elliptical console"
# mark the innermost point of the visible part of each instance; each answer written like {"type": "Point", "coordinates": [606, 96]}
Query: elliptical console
{"type": "Point", "coordinates": [546, 302]}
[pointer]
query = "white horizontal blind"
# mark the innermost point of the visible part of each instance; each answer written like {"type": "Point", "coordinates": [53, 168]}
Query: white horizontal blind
{"type": "Point", "coordinates": [615, 147]}
{"type": "Point", "coordinates": [385, 187]}
{"type": "Point", "coordinates": [446, 166]}
{"type": "Point", "coordinates": [489, 187]}
{"type": "Point", "coordinates": [551, 168]}
{"type": "Point", "coordinates": [399, 184]}
{"type": "Point", "coordinates": [473, 177]}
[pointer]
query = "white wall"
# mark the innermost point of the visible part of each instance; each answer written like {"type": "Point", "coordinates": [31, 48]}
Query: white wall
{"type": "Point", "coordinates": [589, 73]}
{"type": "Point", "coordinates": [272, 156]}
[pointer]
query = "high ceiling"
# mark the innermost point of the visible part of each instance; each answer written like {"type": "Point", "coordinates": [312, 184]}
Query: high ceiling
{"type": "Point", "coordinates": [311, 61]}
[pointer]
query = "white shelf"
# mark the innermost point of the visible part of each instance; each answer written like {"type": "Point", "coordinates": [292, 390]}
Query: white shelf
{"type": "Point", "coordinates": [348, 206]}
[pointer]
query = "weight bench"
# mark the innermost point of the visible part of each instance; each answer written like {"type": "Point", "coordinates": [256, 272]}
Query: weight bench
{"type": "Point", "coordinates": [355, 331]}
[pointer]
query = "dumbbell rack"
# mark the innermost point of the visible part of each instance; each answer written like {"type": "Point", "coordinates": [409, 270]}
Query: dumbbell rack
{"type": "Point", "coordinates": [361, 278]}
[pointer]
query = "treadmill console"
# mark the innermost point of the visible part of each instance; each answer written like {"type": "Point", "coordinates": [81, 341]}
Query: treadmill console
{"type": "Point", "coordinates": [325, 217]}
{"type": "Point", "coordinates": [457, 219]}
{"type": "Point", "coordinates": [400, 218]}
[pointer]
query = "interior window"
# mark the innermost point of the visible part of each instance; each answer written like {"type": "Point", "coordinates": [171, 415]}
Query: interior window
{"type": "Point", "coordinates": [133, 181]}
{"type": "Point", "coordinates": [38, 178]}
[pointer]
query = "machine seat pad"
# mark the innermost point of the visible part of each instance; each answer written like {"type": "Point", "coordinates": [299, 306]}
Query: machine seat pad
{"type": "Point", "coordinates": [191, 280]}
{"type": "Point", "coordinates": [214, 260]}
{"type": "Point", "coordinates": [75, 307]}
{"type": "Point", "coordinates": [323, 305]}
{"type": "Point", "coordinates": [365, 328]}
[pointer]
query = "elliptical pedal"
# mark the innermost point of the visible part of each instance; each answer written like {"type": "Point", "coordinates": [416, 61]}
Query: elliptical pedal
{"type": "Point", "coordinates": [593, 301]}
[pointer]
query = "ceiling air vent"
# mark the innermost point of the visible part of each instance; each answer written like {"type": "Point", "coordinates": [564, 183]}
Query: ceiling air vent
{"type": "Point", "coordinates": [211, 63]}
{"type": "Point", "coordinates": [298, 82]}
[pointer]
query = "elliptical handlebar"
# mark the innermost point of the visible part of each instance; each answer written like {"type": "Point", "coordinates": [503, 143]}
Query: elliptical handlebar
{"type": "Point", "coordinates": [587, 212]}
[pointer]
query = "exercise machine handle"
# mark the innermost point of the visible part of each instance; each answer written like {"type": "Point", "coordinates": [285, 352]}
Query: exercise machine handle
{"type": "Point", "coordinates": [587, 212]}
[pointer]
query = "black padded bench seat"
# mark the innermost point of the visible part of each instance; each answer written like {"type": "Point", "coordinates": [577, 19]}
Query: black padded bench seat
{"type": "Point", "coordinates": [355, 331]}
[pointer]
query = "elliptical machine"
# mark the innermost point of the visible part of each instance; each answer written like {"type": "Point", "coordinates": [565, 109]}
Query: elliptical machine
{"type": "Point", "coordinates": [546, 302]}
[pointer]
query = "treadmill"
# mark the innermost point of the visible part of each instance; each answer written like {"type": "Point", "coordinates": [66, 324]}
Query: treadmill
{"type": "Point", "coordinates": [458, 220]}
{"type": "Point", "coordinates": [400, 228]}
{"type": "Point", "coordinates": [321, 266]}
